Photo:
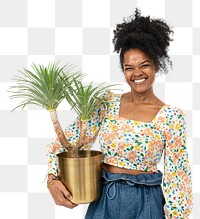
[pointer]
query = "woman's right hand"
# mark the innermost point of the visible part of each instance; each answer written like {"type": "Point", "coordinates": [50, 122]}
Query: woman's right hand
{"type": "Point", "coordinates": [59, 193]}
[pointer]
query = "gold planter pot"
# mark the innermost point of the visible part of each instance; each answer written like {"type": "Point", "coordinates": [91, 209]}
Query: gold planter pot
{"type": "Point", "coordinates": [82, 175]}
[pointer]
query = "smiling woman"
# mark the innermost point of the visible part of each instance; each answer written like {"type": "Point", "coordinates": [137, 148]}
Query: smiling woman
{"type": "Point", "coordinates": [134, 131]}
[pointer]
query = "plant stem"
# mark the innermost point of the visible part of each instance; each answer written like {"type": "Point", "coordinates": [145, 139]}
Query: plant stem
{"type": "Point", "coordinates": [74, 152]}
{"type": "Point", "coordinates": [83, 129]}
{"type": "Point", "coordinates": [61, 136]}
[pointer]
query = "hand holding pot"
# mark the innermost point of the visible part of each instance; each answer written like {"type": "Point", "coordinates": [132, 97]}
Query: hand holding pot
{"type": "Point", "coordinates": [59, 193]}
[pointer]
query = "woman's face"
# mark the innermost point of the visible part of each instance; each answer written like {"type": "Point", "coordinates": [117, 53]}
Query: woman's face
{"type": "Point", "coordinates": [139, 70]}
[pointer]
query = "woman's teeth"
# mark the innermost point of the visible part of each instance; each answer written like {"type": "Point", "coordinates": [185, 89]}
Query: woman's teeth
{"type": "Point", "coordinates": [139, 80]}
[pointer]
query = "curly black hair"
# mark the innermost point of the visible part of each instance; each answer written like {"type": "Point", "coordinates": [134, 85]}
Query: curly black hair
{"type": "Point", "coordinates": [152, 36]}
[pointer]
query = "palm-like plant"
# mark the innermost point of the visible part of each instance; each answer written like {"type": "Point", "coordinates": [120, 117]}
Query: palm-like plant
{"type": "Point", "coordinates": [43, 86]}
{"type": "Point", "coordinates": [48, 86]}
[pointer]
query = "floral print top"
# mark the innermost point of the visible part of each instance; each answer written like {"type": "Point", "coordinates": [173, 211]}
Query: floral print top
{"type": "Point", "coordinates": [139, 145]}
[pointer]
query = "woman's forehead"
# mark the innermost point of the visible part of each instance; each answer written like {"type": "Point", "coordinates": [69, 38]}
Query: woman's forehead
{"type": "Point", "coordinates": [135, 57]}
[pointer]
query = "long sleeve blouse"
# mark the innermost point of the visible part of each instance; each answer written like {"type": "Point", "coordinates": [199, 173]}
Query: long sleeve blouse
{"type": "Point", "coordinates": [139, 145]}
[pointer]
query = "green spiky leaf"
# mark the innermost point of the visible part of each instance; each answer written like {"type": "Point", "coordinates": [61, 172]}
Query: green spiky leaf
{"type": "Point", "coordinates": [43, 86]}
{"type": "Point", "coordinates": [85, 99]}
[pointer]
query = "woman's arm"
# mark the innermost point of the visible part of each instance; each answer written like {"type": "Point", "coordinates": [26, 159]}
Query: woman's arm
{"type": "Point", "coordinates": [177, 183]}
{"type": "Point", "coordinates": [56, 188]}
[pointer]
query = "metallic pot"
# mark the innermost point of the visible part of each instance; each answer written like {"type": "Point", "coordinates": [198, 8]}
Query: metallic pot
{"type": "Point", "coordinates": [82, 175]}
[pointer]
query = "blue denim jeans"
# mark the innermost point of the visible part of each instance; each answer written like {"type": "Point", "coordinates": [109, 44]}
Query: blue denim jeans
{"type": "Point", "coordinates": [126, 196]}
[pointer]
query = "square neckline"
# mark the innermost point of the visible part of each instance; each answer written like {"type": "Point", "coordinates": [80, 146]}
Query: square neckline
{"type": "Point", "coordinates": [137, 121]}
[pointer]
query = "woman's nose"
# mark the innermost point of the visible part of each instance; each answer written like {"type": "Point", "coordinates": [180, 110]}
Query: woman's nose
{"type": "Point", "coordinates": [137, 72]}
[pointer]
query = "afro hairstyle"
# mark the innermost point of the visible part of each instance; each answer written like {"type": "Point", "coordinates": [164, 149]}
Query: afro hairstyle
{"type": "Point", "coordinates": [152, 36]}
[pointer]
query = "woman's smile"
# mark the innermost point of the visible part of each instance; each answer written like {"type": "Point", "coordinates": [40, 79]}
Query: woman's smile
{"type": "Point", "coordinates": [139, 81]}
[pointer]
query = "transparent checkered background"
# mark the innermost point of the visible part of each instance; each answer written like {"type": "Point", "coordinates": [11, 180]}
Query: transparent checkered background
{"type": "Point", "coordinates": [80, 31]}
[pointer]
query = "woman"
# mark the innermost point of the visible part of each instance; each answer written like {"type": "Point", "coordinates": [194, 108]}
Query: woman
{"type": "Point", "coordinates": [133, 133]}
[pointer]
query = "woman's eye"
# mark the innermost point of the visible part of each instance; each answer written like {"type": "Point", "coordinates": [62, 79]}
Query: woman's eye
{"type": "Point", "coordinates": [128, 69]}
{"type": "Point", "coordinates": [145, 66]}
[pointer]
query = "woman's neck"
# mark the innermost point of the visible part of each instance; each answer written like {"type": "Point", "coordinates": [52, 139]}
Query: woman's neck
{"type": "Point", "coordinates": [138, 98]}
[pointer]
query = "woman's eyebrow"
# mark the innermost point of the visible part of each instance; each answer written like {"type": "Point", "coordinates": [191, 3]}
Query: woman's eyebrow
{"type": "Point", "coordinates": [145, 61]}
{"type": "Point", "coordinates": [128, 65]}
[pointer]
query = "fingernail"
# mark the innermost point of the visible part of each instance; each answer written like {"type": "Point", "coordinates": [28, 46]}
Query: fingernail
{"type": "Point", "coordinates": [69, 197]}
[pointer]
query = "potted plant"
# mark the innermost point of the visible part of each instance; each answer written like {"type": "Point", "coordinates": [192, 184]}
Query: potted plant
{"type": "Point", "coordinates": [48, 87]}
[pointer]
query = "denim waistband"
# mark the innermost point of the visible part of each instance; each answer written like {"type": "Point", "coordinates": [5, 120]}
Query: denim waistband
{"type": "Point", "coordinates": [142, 179]}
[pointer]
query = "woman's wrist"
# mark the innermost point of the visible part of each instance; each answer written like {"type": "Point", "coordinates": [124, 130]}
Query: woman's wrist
{"type": "Point", "coordinates": [50, 176]}
{"type": "Point", "coordinates": [51, 179]}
